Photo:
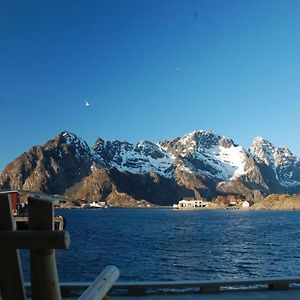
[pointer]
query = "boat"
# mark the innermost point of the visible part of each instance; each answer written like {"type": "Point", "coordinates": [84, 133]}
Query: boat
{"type": "Point", "coordinates": [95, 205]}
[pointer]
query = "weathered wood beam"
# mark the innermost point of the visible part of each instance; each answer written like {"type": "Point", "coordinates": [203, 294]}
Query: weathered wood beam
{"type": "Point", "coordinates": [11, 277]}
{"type": "Point", "coordinates": [31, 239]}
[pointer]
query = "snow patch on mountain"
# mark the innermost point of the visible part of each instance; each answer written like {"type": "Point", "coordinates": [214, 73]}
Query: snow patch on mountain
{"type": "Point", "coordinates": [229, 162]}
{"type": "Point", "coordinates": [142, 157]}
{"type": "Point", "coordinates": [217, 156]}
{"type": "Point", "coordinates": [233, 159]}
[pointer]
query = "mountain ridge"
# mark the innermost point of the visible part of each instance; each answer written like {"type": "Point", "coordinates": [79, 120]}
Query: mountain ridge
{"type": "Point", "coordinates": [199, 164]}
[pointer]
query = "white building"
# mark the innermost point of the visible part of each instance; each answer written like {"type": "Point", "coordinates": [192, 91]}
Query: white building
{"type": "Point", "coordinates": [190, 204]}
{"type": "Point", "coordinates": [245, 204]}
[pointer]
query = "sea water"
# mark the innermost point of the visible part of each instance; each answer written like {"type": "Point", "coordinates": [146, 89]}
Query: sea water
{"type": "Point", "coordinates": [166, 244]}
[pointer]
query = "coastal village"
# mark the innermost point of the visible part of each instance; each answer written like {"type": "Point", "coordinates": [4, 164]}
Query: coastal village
{"type": "Point", "coordinates": [191, 203]}
{"type": "Point", "coordinates": [270, 202]}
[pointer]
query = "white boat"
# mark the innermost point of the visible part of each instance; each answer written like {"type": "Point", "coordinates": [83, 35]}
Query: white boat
{"type": "Point", "coordinates": [97, 204]}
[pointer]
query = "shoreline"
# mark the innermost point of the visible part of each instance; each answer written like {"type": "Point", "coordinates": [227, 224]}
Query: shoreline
{"type": "Point", "coordinates": [281, 202]}
{"type": "Point", "coordinates": [171, 208]}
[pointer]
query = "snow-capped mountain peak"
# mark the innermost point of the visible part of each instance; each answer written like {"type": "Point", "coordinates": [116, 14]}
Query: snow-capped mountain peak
{"type": "Point", "coordinates": [208, 153]}
{"type": "Point", "coordinates": [72, 140]}
{"type": "Point", "coordinates": [70, 143]}
{"type": "Point", "coordinates": [263, 151]}
{"type": "Point", "coordinates": [284, 164]}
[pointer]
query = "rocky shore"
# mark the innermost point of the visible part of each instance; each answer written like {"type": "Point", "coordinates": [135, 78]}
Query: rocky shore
{"type": "Point", "coordinates": [278, 202]}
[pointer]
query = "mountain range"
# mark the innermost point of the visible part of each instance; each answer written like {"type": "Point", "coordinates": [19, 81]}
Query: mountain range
{"type": "Point", "coordinates": [201, 164]}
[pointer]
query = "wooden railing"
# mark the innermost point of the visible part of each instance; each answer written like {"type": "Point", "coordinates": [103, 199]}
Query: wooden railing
{"type": "Point", "coordinates": [203, 286]}
{"type": "Point", "coordinates": [41, 239]}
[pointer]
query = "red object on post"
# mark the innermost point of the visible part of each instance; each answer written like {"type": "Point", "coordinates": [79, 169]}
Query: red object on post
{"type": "Point", "coordinates": [15, 201]}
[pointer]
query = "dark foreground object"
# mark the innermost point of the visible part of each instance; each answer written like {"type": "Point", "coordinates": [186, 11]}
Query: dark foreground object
{"type": "Point", "coordinates": [41, 239]}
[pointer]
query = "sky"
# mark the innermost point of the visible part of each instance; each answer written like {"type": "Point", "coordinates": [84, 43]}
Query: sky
{"type": "Point", "coordinates": [148, 70]}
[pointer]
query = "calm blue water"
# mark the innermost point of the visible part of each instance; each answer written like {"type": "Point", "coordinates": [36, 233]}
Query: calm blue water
{"type": "Point", "coordinates": [164, 244]}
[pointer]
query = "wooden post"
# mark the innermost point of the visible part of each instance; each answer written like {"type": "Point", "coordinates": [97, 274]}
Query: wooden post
{"type": "Point", "coordinates": [11, 278]}
{"type": "Point", "coordinates": [278, 286]}
{"type": "Point", "coordinates": [44, 277]}
{"type": "Point", "coordinates": [102, 284]}
{"type": "Point", "coordinates": [209, 289]}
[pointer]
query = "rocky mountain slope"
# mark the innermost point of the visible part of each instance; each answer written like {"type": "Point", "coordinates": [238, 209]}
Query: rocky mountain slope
{"type": "Point", "coordinates": [284, 167]}
{"type": "Point", "coordinates": [199, 164]}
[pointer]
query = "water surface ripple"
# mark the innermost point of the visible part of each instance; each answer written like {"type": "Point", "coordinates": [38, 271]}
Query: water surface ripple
{"type": "Point", "coordinates": [163, 244]}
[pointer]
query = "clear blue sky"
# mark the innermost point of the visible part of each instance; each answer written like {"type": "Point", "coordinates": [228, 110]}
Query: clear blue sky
{"type": "Point", "coordinates": [149, 69]}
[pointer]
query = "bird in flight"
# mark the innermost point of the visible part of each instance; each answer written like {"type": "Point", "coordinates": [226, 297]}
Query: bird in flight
{"type": "Point", "coordinates": [86, 103]}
